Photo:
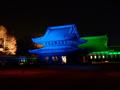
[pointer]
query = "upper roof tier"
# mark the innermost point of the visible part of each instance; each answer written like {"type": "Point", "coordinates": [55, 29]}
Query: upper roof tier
{"type": "Point", "coordinates": [55, 33]}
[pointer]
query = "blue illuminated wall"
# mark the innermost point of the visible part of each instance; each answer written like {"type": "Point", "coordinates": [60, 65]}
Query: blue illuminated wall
{"type": "Point", "coordinates": [58, 40]}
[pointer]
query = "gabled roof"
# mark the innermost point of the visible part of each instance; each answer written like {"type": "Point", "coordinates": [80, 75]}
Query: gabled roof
{"type": "Point", "coordinates": [95, 43]}
{"type": "Point", "coordinates": [63, 32]}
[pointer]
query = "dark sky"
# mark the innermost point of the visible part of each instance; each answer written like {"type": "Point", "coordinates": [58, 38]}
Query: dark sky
{"type": "Point", "coordinates": [25, 19]}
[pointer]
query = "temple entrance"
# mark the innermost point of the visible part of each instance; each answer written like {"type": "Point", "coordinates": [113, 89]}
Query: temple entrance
{"type": "Point", "coordinates": [54, 60]}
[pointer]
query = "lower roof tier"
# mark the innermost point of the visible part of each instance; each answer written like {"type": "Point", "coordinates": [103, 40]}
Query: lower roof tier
{"type": "Point", "coordinates": [53, 51]}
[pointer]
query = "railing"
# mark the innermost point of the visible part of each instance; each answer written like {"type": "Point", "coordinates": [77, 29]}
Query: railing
{"type": "Point", "coordinates": [59, 43]}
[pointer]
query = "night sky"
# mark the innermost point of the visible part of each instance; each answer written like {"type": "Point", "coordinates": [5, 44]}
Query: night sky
{"type": "Point", "coordinates": [28, 19]}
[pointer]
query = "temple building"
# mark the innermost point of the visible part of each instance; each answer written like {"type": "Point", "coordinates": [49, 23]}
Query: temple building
{"type": "Point", "coordinates": [95, 43]}
{"type": "Point", "coordinates": [63, 44]}
{"type": "Point", "coordinates": [59, 43]}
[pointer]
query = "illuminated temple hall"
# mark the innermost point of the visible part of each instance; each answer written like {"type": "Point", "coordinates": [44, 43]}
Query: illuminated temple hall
{"type": "Point", "coordinates": [62, 44]}
{"type": "Point", "coordinates": [58, 43]}
{"type": "Point", "coordinates": [95, 43]}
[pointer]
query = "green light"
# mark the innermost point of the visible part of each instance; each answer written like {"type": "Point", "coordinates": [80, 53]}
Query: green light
{"type": "Point", "coordinates": [106, 53]}
{"type": "Point", "coordinates": [114, 53]}
{"type": "Point", "coordinates": [93, 52]}
{"type": "Point", "coordinates": [95, 43]}
{"type": "Point", "coordinates": [118, 52]}
{"type": "Point", "coordinates": [110, 53]}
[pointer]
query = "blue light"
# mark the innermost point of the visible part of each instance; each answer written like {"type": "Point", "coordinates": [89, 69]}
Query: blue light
{"type": "Point", "coordinates": [58, 39]}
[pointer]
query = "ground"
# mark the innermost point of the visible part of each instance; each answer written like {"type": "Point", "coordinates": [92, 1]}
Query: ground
{"type": "Point", "coordinates": [59, 77]}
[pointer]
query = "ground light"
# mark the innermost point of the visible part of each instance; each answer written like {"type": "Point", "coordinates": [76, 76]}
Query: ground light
{"type": "Point", "coordinates": [64, 59]}
{"type": "Point", "coordinates": [105, 57]}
